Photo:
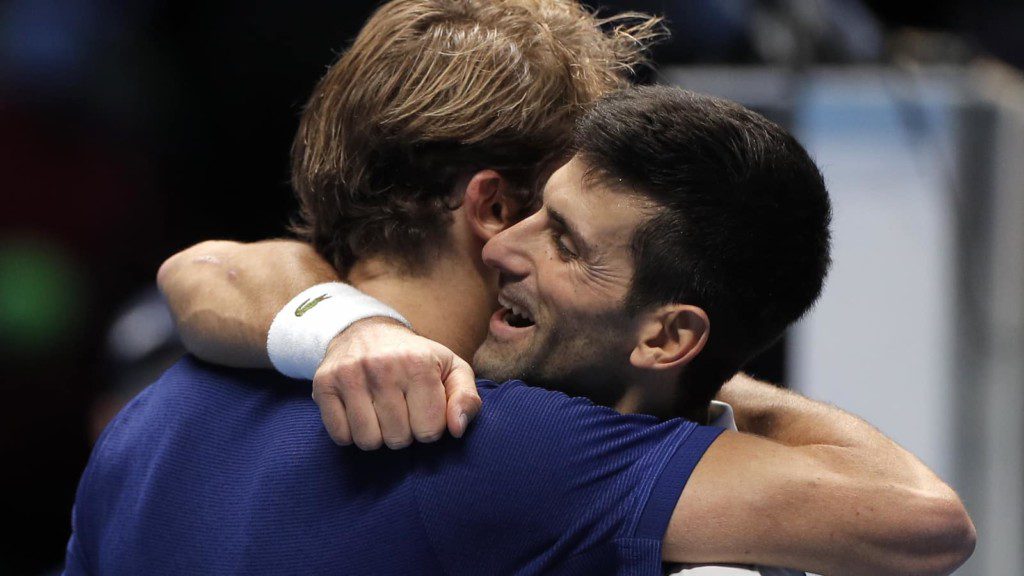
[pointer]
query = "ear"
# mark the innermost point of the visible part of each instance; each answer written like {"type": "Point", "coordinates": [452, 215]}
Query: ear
{"type": "Point", "coordinates": [487, 206]}
{"type": "Point", "coordinates": [670, 337]}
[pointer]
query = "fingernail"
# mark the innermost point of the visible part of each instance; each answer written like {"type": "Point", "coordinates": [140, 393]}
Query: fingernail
{"type": "Point", "coordinates": [463, 421]}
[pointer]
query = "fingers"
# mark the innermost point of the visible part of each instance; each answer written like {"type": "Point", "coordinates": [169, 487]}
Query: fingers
{"type": "Point", "coordinates": [332, 412]}
{"type": "Point", "coordinates": [364, 406]}
{"type": "Point", "coordinates": [346, 407]}
{"type": "Point", "coordinates": [427, 408]}
{"type": "Point", "coordinates": [463, 399]}
{"type": "Point", "coordinates": [385, 385]}
{"type": "Point", "coordinates": [362, 419]}
{"type": "Point", "coordinates": [332, 409]}
{"type": "Point", "coordinates": [389, 403]}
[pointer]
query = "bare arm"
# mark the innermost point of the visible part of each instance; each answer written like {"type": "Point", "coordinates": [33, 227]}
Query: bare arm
{"type": "Point", "coordinates": [224, 295]}
{"type": "Point", "coordinates": [381, 383]}
{"type": "Point", "coordinates": [819, 490]}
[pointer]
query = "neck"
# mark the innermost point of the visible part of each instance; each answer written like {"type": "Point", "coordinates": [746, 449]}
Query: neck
{"type": "Point", "coordinates": [650, 394]}
{"type": "Point", "coordinates": [449, 302]}
{"type": "Point", "coordinates": [660, 394]}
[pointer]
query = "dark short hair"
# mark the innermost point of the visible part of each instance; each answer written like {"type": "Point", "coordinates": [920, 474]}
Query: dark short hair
{"type": "Point", "coordinates": [434, 90]}
{"type": "Point", "coordinates": [742, 225]}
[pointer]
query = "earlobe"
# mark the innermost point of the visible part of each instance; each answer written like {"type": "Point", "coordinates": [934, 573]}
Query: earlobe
{"type": "Point", "coordinates": [487, 204]}
{"type": "Point", "coordinates": [670, 337]}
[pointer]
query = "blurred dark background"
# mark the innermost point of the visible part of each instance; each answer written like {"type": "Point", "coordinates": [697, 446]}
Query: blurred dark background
{"type": "Point", "coordinates": [129, 130]}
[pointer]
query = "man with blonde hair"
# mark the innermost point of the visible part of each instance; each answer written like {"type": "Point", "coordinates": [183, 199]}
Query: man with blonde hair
{"type": "Point", "coordinates": [403, 136]}
{"type": "Point", "coordinates": [429, 93]}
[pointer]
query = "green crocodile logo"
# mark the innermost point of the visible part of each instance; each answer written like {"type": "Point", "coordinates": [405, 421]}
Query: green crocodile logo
{"type": "Point", "coordinates": [308, 304]}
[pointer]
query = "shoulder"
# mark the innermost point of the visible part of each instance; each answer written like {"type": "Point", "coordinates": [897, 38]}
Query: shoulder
{"type": "Point", "coordinates": [194, 403]}
{"type": "Point", "coordinates": [198, 413]}
{"type": "Point", "coordinates": [566, 475]}
{"type": "Point", "coordinates": [531, 402]}
{"type": "Point", "coordinates": [552, 421]}
{"type": "Point", "coordinates": [194, 387]}
{"type": "Point", "coordinates": [544, 445]}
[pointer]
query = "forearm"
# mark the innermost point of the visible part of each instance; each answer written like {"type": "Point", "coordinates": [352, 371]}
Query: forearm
{"type": "Point", "coordinates": [791, 419]}
{"type": "Point", "coordinates": [224, 295]}
{"type": "Point", "coordinates": [847, 444]}
{"type": "Point", "coordinates": [854, 481]}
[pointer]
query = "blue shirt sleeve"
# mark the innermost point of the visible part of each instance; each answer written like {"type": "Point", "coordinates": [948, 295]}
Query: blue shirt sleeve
{"type": "Point", "coordinates": [74, 561]}
{"type": "Point", "coordinates": [87, 497]}
{"type": "Point", "coordinates": [544, 483]}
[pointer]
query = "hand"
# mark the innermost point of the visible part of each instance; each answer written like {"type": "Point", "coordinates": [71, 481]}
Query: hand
{"type": "Point", "coordinates": [382, 383]}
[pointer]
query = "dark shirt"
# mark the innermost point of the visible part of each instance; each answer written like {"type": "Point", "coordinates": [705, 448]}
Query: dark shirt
{"type": "Point", "coordinates": [220, 471]}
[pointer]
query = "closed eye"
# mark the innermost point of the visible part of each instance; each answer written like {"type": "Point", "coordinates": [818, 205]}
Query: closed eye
{"type": "Point", "coordinates": [558, 237]}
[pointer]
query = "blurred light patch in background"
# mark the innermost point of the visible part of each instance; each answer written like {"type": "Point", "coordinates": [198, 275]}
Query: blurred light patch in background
{"type": "Point", "coordinates": [41, 296]}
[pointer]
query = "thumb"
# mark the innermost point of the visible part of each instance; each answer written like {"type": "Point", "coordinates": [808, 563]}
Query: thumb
{"type": "Point", "coordinates": [463, 399]}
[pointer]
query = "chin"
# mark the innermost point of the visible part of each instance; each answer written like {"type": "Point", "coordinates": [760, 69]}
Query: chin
{"type": "Point", "coordinates": [489, 364]}
{"type": "Point", "coordinates": [496, 362]}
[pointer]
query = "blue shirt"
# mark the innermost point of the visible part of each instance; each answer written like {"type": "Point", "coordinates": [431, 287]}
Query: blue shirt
{"type": "Point", "coordinates": [220, 471]}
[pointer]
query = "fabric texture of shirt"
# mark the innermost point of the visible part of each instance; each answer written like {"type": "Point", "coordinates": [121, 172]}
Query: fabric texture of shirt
{"type": "Point", "coordinates": [221, 471]}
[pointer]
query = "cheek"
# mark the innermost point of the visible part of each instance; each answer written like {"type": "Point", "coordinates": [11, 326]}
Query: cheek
{"type": "Point", "coordinates": [565, 286]}
{"type": "Point", "coordinates": [572, 302]}
{"type": "Point", "coordinates": [595, 292]}
{"type": "Point", "coordinates": [609, 283]}
{"type": "Point", "coordinates": [559, 288]}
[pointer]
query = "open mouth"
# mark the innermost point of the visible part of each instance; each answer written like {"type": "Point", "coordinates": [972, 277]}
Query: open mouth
{"type": "Point", "coordinates": [515, 315]}
{"type": "Point", "coordinates": [517, 320]}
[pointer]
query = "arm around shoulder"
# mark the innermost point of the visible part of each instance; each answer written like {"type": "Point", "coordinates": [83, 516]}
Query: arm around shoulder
{"type": "Point", "coordinates": [824, 492]}
{"type": "Point", "coordinates": [224, 295]}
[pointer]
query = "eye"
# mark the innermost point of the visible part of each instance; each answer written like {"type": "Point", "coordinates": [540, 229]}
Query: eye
{"type": "Point", "coordinates": [563, 250]}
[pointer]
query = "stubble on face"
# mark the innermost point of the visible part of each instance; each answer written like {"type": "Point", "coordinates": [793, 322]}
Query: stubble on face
{"type": "Point", "coordinates": [568, 268]}
{"type": "Point", "coordinates": [567, 353]}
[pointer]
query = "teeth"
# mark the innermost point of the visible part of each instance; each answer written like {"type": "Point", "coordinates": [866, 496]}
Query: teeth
{"type": "Point", "coordinates": [514, 308]}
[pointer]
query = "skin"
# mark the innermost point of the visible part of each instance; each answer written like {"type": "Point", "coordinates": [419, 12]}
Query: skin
{"type": "Point", "coordinates": [569, 266]}
{"type": "Point", "coordinates": [816, 476]}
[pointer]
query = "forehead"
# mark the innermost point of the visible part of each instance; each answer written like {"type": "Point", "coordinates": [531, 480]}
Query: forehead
{"type": "Point", "coordinates": [605, 212]}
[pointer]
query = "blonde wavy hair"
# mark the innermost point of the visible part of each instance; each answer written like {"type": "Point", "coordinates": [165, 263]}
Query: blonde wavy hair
{"type": "Point", "coordinates": [432, 90]}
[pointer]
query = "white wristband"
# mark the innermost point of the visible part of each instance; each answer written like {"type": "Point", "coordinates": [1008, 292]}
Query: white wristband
{"type": "Point", "coordinates": [298, 337]}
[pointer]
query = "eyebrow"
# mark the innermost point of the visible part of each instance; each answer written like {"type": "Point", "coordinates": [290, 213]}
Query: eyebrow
{"type": "Point", "coordinates": [559, 219]}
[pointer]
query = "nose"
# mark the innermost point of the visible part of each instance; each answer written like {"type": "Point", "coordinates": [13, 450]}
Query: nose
{"type": "Point", "coordinates": [508, 253]}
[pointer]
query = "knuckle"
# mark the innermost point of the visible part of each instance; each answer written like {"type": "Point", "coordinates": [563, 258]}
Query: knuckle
{"type": "Point", "coordinates": [377, 385]}
{"type": "Point", "coordinates": [430, 432]}
{"type": "Point", "coordinates": [398, 442]}
{"type": "Point", "coordinates": [416, 356]}
{"type": "Point", "coordinates": [341, 438]}
{"type": "Point", "coordinates": [431, 418]}
{"type": "Point", "coordinates": [323, 383]}
{"type": "Point", "coordinates": [344, 370]}
{"type": "Point", "coordinates": [338, 430]}
{"type": "Point", "coordinates": [425, 373]}
{"type": "Point", "coordinates": [349, 385]}
{"type": "Point", "coordinates": [434, 413]}
{"type": "Point", "coordinates": [331, 383]}
{"type": "Point", "coordinates": [406, 354]}
{"type": "Point", "coordinates": [368, 444]}
{"type": "Point", "coordinates": [374, 364]}
{"type": "Point", "coordinates": [429, 436]}
{"type": "Point", "coordinates": [472, 401]}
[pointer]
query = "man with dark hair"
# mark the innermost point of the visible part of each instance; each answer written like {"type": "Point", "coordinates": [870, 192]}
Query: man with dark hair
{"type": "Point", "coordinates": [735, 227]}
{"type": "Point", "coordinates": [545, 483]}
